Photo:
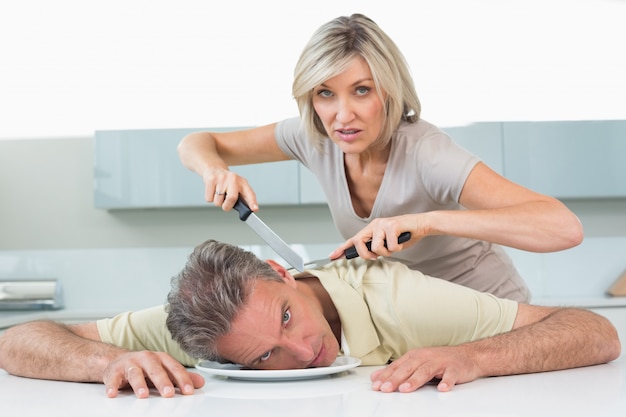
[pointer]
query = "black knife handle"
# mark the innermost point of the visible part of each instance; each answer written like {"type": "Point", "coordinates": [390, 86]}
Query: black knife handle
{"type": "Point", "coordinates": [243, 209]}
{"type": "Point", "coordinates": [352, 253]}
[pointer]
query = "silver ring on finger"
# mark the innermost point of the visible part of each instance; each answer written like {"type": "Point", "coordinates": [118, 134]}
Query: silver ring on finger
{"type": "Point", "coordinates": [220, 193]}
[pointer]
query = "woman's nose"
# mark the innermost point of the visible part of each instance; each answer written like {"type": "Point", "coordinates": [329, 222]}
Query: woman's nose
{"type": "Point", "coordinates": [345, 114]}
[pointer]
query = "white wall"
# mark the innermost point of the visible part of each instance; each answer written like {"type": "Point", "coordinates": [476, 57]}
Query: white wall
{"type": "Point", "coordinates": [73, 66]}
{"type": "Point", "coordinates": [70, 67]}
{"type": "Point", "coordinates": [46, 190]}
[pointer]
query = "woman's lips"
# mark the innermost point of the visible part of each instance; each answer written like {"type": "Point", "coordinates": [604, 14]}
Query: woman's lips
{"type": "Point", "coordinates": [347, 135]}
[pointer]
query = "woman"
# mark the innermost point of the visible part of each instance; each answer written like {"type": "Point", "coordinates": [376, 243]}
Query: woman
{"type": "Point", "coordinates": [385, 171]}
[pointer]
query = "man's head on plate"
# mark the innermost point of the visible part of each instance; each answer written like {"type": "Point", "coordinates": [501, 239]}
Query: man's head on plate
{"type": "Point", "coordinates": [227, 305]}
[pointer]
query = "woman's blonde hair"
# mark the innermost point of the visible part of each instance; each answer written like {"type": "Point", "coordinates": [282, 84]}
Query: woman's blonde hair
{"type": "Point", "coordinates": [330, 51]}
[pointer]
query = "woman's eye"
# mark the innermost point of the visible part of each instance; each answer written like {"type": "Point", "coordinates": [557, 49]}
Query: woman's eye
{"type": "Point", "coordinates": [360, 91]}
{"type": "Point", "coordinates": [286, 316]}
{"type": "Point", "coordinates": [266, 356]}
{"type": "Point", "coordinates": [324, 93]}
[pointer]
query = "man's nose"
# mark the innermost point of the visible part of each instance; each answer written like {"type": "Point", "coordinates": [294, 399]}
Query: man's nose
{"type": "Point", "coordinates": [300, 349]}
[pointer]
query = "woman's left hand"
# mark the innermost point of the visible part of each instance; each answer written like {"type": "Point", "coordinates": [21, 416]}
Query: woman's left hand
{"type": "Point", "coordinates": [383, 234]}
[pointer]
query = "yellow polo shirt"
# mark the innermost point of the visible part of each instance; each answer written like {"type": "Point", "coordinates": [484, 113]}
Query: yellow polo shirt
{"type": "Point", "coordinates": [385, 309]}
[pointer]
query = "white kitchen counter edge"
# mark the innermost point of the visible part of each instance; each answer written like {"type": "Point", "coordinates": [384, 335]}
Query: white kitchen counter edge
{"type": "Point", "coordinates": [10, 318]}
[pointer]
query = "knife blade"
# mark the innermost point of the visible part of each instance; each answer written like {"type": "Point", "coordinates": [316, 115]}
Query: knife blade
{"type": "Point", "coordinates": [268, 235]}
{"type": "Point", "coordinates": [352, 253]}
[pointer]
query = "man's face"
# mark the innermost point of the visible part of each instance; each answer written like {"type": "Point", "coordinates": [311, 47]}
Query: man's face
{"type": "Point", "coordinates": [279, 327]}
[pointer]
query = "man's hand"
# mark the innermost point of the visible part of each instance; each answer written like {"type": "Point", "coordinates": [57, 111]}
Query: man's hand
{"type": "Point", "coordinates": [137, 369]}
{"type": "Point", "coordinates": [543, 339]}
{"type": "Point", "coordinates": [451, 364]}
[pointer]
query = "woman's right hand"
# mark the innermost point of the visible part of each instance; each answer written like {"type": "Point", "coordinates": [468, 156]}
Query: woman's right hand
{"type": "Point", "coordinates": [223, 187]}
{"type": "Point", "coordinates": [209, 154]}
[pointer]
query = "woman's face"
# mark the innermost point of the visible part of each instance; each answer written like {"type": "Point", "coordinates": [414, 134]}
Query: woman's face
{"type": "Point", "coordinates": [350, 108]}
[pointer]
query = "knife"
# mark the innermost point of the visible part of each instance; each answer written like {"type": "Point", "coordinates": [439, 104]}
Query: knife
{"type": "Point", "coordinates": [352, 253]}
{"type": "Point", "coordinates": [267, 234]}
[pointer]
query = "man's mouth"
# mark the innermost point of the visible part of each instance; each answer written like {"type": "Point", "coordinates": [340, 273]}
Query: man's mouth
{"type": "Point", "coordinates": [320, 356]}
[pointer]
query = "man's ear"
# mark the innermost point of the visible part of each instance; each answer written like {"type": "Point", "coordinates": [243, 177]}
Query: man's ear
{"type": "Point", "coordinates": [282, 271]}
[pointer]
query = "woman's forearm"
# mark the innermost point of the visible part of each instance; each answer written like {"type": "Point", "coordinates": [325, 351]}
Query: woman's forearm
{"type": "Point", "coordinates": [198, 152]}
{"type": "Point", "coordinates": [539, 226]}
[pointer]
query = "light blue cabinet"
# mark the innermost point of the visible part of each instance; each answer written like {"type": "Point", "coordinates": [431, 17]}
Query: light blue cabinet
{"type": "Point", "coordinates": [311, 191]}
{"type": "Point", "coordinates": [141, 169]}
{"type": "Point", "coordinates": [567, 159]}
{"type": "Point", "coordinates": [482, 139]}
{"type": "Point", "coordinates": [578, 159]}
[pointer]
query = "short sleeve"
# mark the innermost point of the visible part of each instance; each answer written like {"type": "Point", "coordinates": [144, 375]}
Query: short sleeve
{"type": "Point", "coordinates": [142, 330]}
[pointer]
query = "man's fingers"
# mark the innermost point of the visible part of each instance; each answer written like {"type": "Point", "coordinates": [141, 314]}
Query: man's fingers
{"type": "Point", "coordinates": [177, 374]}
{"type": "Point", "coordinates": [137, 381]}
{"type": "Point", "coordinates": [141, 370]}
{"type": "Point", "coordinates": [113, 383]}
{"type": "Point", "coordinates": [187, 382]}
{"type": "Point", "coordinates": [448, 381]}
{"type": "Point", "coordinates": [168, 374]}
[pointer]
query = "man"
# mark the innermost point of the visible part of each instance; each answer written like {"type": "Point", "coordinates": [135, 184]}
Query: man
{"type": "Point", "coordinates": [228, 305]}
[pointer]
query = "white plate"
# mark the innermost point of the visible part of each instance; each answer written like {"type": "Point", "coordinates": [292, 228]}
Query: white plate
{"type": "Point", "coordinates": [229, 370]}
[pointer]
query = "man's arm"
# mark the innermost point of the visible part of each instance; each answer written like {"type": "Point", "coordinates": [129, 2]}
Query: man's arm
{"type": "Point", "coordinates": [542, 339]}
{"type": "Point", "coordinates": [50, 350]}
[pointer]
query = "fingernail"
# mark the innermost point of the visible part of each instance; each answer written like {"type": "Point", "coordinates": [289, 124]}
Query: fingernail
{"type": "Point", "coordinates": [376, 385]}
{"type": "Point", "coordinates": [404, 387]}
{"type": "Point", "coordinates": [386, 386]}
{"type": "Point", "coordinates": [167, 391]}
{"type": "Point", "coordinates": [142, 392]}
{"type": "Point", "coordinates": [188, 389]}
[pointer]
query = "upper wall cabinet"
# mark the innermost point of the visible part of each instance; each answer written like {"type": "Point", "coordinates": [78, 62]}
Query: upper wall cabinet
{"type": "Point", "coordinates": [311, 192]}
{"type": "Point", "coordinates": [141, 169]}
{"type": "Point", "coordinates": [482, 139]}
{"type": "Point", "coordinates": [569, 159]}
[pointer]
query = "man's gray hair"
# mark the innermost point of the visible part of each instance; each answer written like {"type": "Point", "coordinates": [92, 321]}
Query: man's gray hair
{"type": "Point", "coordinates": [209, 292]}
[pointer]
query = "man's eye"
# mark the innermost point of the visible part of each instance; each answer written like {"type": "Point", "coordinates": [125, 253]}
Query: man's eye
{"type": "Point", "coordinates": [266, 356]}
{"type": "Point", "coordinates": [286, 316]}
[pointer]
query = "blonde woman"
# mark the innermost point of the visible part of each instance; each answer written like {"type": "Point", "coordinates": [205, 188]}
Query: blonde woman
{"type": "Point", "coordinates": [384, 170]}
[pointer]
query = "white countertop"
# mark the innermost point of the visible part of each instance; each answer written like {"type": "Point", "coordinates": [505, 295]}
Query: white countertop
{"type": "Point", "coordinates": [593, 391]}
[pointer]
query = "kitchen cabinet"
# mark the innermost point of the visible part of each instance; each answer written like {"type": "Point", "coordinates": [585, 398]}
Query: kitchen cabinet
{"type": "Point", "coordinates": [311, 191]}
{"type": "Point", "coordinates": [564, 159]}
{"type": "Point", "coordinates": [482, 139]}
{"type": "Point", "coordinates": [141, 169]}
{"type": "Point", "coordinates": [567, 159]}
